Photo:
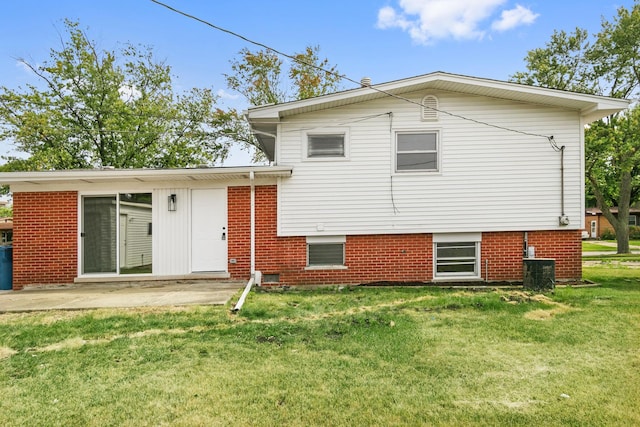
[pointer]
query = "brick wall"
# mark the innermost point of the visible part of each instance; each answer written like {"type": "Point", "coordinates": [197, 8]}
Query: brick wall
{"type": "Point", "coordinates": [45, 238]}
{"type": "Point", "coordinates": [501, 256]}
{"type": "Point", "coordinates": [563, 246]}
{"type": "Point", "coordinates": [371, 258]}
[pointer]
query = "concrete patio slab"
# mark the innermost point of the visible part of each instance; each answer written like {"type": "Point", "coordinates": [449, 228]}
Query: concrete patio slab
{"type": "Point", "coordinates": [118, 295]}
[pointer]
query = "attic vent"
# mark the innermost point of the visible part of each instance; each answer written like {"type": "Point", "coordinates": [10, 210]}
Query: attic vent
{"type": "Point", "coordinates": [430, 108]}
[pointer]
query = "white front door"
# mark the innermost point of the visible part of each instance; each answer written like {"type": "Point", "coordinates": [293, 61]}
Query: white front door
{"type": "Point", "coordinates": [209, 230]}
{"type": "Point", "coordinates": [594, 229]}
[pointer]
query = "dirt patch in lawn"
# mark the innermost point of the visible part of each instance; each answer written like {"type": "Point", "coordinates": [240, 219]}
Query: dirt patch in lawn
{"type": "Point", "coordinates": [6, 352]}
{"type": "Point", "coordinates": [518, 297]}
{"type": "Point", "coordinates": [597, 263]}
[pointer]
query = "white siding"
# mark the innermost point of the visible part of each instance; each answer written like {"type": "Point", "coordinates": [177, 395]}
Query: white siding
{"type": "Point", "coordinates": [490, 179]}
{"type": "Point", "coordinates": [138, 249]}
{"type": "Point", "coordinates": [171, 233]}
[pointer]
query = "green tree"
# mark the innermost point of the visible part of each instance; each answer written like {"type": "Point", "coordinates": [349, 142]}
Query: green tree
{"type": "Point", "coordinates": [93, 108]}
{"type": "Point", "coordinates": [608, 63]}
{"type": "Point", "coordinates": [260, 78]}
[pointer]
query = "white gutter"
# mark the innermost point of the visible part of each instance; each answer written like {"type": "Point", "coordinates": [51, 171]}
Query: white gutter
{"type": "Point", "coordinates": [253, 223]}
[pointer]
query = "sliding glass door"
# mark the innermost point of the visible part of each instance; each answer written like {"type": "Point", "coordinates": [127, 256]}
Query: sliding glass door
{"type": "Point", "coordinates": [99, 234]}
{"type": "Point", "coordinates": [117, 234]}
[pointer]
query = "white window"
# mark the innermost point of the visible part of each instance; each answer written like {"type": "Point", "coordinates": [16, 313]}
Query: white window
{"type": "Point", "coordinates": [633, 220]}
{"type": "Point", "coordinates": [457, 255]}
{"type": "Point", "coordinates": [457, 259]}
{"type": "Point", "coordinates": [430, 108]}
{"type": "Point", "coordinates": [417, 151]}
{"type": "Point", "coordinates": [326, 251]}
{"type": "Point", "coordinates": [325, 145]}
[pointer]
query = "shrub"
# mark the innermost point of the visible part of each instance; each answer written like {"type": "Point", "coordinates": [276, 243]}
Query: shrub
{"type": "Point", "coordinates": [608, 235]}
{"type": "Point", "coordinates": [634, 232]}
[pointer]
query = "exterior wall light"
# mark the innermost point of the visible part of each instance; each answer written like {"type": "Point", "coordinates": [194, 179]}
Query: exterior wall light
{"type": "Point", "coordinates": [172, 206]}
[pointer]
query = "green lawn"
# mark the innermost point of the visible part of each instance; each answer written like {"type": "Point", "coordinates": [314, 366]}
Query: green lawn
{"type": "Point", "coordinates": [596, 246]}
{"type": "Point", "coordinates": [340, 357]}
{"type": "Point", "coordinates": [604, 245]}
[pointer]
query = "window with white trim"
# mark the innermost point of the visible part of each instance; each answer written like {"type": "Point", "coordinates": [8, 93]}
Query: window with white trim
{"type": "Point", "coordinates": [456, 259]}
{"type": "Point", "coordinates": [325, 251]}
{"type": "Point", "coordinates": [326, 145]}
{"type": "Point", "coordinates": [633, 220]}
{"type": "Point", "coordinates": [456, 255]}
{"type": "Point", "coordinates": [417, 151]}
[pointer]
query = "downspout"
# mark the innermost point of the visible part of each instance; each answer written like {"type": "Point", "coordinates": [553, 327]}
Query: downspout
{"type": "Point", "coordinates": [255, 276]}
{"type": "Point", "coordinates": [564, 219]}
{"type": "Point", "coordinates": [252, 214]}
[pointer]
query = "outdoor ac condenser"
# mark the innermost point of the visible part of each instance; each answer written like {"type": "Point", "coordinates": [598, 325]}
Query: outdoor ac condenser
{"type": "Point", "coordinates": [539, 274]}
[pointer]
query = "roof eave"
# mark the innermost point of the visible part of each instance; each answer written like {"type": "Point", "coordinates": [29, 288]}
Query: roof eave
{"type": "Point", "coordinates": [143, 175]}
{"type": "Point", "coordinates": [452, 82]}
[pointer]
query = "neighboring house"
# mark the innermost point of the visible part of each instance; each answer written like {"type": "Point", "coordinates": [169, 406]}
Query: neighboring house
{"type": "Point", "coordinates": [596, 224]}
{"type": "Point", "coordinates": [6, 231]}
{"type": "Point", "coordinates": [367, 185]}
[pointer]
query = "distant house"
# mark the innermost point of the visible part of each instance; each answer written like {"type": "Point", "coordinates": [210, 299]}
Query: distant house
{"type": "Point", "coordinates": [435, 178]}
{"type": "Point", "coordinates": [596, 224]}
{"type": "Point", "coordinates": [6, 230]}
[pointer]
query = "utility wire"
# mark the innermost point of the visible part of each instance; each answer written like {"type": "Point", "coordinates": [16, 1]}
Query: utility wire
{"type": "Point", "coordinates": [345, 77]}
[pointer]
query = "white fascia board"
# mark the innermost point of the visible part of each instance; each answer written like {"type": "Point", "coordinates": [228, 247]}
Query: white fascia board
{"type": "Point", "coordinates": [143, 175]}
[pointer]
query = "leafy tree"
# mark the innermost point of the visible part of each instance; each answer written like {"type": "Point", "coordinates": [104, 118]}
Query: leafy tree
{"type": "Point", "coordinates": [258, 76]}
{"type": "Point", "coordinates": [93, 108]}
{"type": "Point", "coordinates": [606, 64]}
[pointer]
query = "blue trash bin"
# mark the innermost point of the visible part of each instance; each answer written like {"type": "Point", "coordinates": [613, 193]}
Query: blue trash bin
{"type": "Point", "coordinates": [6, 268]}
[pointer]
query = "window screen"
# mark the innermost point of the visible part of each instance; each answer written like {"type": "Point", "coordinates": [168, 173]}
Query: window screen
{"type": "Point", "coordinates": [325, 146]}
{"type": "Point", "coordinates": [417, 152]}
{"type": "Point", "coordinates": [456, 259]}
{"type": "Point", "coordinates": [325, 254]}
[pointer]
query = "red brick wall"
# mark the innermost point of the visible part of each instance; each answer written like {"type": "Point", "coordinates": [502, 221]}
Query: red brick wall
{"type": "Point", "coordinates": [563, 246]}
{"type": "Point", "coordinates": [371, 258]}
{"type": "Point", "coordinates": [239, 231]}
{"type": "Point", "coordinates": [501, 256]}
{"type": "Point", "coordinates": [45, 238]}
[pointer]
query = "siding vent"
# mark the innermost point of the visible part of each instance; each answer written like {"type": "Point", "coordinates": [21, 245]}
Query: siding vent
{"type": "Point", "coordinates": [430, 108]}
{"type": "Point", "coordinates": [271, 278]}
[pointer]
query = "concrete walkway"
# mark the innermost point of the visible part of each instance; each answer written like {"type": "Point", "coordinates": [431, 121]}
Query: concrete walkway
{"type": "Point", "coordinates": [118, 295]}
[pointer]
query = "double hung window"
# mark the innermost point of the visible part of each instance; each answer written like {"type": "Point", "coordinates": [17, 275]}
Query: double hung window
{"type": "Point", "coordinates": [417, 151]}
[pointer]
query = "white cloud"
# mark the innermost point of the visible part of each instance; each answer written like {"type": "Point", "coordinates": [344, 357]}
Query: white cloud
{"type": "Point", "coordinates": [226, 95]}
{"type": "Point", "coordinates": [129, 93]}
{"type": "Point", "coordinates": [429, 20]}
{"type": "Point", "coordinates": [22, 65]}
{"type": "Point", "coordinates": [512, 18]}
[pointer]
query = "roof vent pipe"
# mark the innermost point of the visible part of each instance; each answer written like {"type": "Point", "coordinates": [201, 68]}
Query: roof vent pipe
{"type": "Point", "coordinates": [365, 81]}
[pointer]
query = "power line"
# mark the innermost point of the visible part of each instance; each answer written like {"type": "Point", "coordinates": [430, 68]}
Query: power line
{"type": "Point", "coordinates": [345, 77]}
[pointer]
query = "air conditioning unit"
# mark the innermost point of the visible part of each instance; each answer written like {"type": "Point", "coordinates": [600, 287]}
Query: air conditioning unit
{"type": "Point", "coordinates": [539, 274]}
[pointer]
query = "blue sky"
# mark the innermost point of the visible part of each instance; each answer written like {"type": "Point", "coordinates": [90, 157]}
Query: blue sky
{"type": "Point", "coordinates": [382, 39]}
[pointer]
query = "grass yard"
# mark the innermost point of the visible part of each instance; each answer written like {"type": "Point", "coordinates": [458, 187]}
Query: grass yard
{"type": "Point", "coordinates": [604, 245]}
{"type": "Point", "coordinates": [597, 246]}
{"type": "Point", "coordinates": [355, 356]}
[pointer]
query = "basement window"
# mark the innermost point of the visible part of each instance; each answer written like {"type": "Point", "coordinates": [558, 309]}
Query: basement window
{"type": "Point", "coordinates": [325, 251]}
{"type": "Point", "coordinates": [457, 255]}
